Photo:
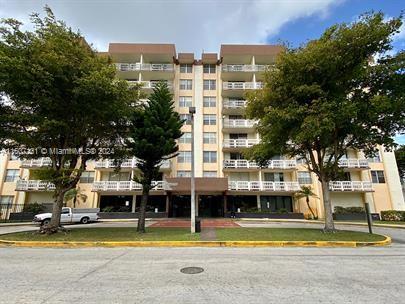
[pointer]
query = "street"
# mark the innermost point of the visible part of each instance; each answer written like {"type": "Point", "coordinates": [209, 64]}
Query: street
{"type": "Point", "coordinates": [231, 275]}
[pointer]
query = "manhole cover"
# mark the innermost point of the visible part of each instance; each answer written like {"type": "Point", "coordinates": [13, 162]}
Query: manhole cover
{"type": "Point", "coordinates": [192, 270]}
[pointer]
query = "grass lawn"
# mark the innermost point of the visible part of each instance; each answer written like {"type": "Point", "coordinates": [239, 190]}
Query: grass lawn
{"type": "Point", "coordinates": [108, 234]}
{"type": "Point", "coordinates": [183, 234]}
{"type": "Point", "coordinates": [375, 222]}
{"type": "Point", "coordinates": [292, 234]}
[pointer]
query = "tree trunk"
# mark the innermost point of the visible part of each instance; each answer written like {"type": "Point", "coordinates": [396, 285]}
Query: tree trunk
{"type": "Point", "coordinates": [309, 207]}
{"type": "Point", "coordinates": [56, 212]}
{"type": "Point", "coordinates": [142, 210]}
{"type": "Point", "coordinates": [329, 225]}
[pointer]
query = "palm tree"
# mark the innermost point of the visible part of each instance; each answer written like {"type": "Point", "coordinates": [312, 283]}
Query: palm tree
{"type": "Point", "coordinates": [306, 191]}
{"type": "Point", "coordinates": [76, 194]}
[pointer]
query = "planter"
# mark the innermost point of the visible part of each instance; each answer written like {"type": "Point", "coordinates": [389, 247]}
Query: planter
{"type": "Point", "coordinates": [130, 215]}
{"type": "Point", "coordinates": [21, 216]}
{"type": "Point", "coordinates": [350, 217]}
{"type": "Point", "coordinates": [291, 216]}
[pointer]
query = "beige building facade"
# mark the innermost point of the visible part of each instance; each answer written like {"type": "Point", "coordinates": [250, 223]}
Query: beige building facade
{"type": "Point", "coordinates": [216, 85]}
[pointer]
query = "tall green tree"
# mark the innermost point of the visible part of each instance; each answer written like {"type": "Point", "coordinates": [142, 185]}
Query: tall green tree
{"type": "Point", "coordinates": [328, 97]}
{"type": "Point", "coordinates": [152, 139]}
{"type": "Point", "coordinates": [400, 157]}
{"type": "Point", "coordinates": [64, 101]}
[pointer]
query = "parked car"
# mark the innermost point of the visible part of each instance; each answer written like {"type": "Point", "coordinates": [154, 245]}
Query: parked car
{"type": "Point", "coordinates": [70, 216]}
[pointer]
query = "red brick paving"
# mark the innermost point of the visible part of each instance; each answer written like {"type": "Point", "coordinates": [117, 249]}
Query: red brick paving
{"type": "Point", "coordinates": [205, 223]}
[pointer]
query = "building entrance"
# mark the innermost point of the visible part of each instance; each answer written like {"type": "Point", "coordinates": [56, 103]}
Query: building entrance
{"type": "Point", "coordinates": [211, 206]}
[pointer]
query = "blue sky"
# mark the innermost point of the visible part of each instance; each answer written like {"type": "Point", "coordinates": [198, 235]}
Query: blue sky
{"type": "Point", "coordinates": [203, 25]}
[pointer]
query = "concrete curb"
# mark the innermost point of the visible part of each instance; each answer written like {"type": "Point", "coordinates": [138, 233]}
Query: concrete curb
{"type": "Point", "coordinates": [320, 222]}
{"type": "Point", "coordinates": [61, 244]}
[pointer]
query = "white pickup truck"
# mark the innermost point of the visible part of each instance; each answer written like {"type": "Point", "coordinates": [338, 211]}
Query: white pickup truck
{"type": "Point", "coordinates": [70, 216]}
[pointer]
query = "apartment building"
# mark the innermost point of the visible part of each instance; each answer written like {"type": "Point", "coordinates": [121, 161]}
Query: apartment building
{"type": "Point", "coordinates": [215, 85]}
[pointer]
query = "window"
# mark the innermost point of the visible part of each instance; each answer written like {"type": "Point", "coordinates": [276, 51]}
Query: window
{"type": "Point", "coordinates": [186, 84]}
{"type": "Point", "coordinates": [210, 84]}
{"type": "Point", "coordinates": [210, 102]}
{"type": "Point", "coordinates": [238, 136]}
{"type": "Point", "coordinates": [274, 177]}
{"type": "Point", "coordinates": [11, 175]}
{"type": "Point", "coordinates": [375, 159]}
{"type": "Point", "coordinates": [14, 157]}
{"type": "Point", "coordinates": [184, 157]}
{"type": "Point", "coordinates": [378, 177]}
{"type": "Point", "coordinates": [119, 176]}
{"type": "Point", "coordinates": [6, 199]}
{"type": "Point", "coordinates": [304, 178]}
{"type": "Point", "coordinates": [186, 138]}
{"type": "Point", "coordinates": [183, 173]}
{"type": "Point", "coordinates": [87, 177]}
{"type": "Point", "coordinates": [209, 68]}
{"type": "Point", "coordinates": [210, 138]}
{"type": "Point", "coordinates": [185, 101]}
{"type": "Point", "coordinates": [210, 173]}
{"type": "Point", "coordinates": [210, 156]}
{"type": "Point", "coordinates": [186, 68]}
{"type": "Point", "coordinates": [210, 119]}
{"type": "Point", "coordinates": [187, 118]}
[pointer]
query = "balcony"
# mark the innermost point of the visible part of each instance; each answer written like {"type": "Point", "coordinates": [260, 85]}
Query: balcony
{"type": "Point", "coordinates": [34, 185]}
{"type": "Point", "coordinates": [233, 106]}
{"type": "Point", "coordinates": [121, 186]}
{"type": "Point", "coordinates": [36, 163]}
{"type": "Point", "coordinates": [349, 186]}
{"type": "Point", "coordinates": [244, 67]}
{"type": "Point", "coordinates": [239, 143]}
{"type": "Point", "coordinates": [230, 85]}
{"type": "Point", "coordinates": [243, 164]}
{"type": "Point", "coordinates": [149, 85]}
{"type": "Point", "coordinates": [263, 186]}
{"type": "Point", "coordinates": [354, 163]}
{"type": "Point", "coordinates": [240, 125]}
{"type": "Point", "coordinates": [127, 163]}
{"type": "Point", "coordinates": [132, 67]}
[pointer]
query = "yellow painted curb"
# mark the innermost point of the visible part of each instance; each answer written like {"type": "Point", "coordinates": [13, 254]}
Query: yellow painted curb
{"type": "Point", "coordinates": [61, 244]}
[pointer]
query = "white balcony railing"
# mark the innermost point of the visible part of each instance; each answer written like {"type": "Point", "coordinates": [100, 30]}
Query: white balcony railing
{"type": "Point", "coordinates": [127, 163]}
{"type": "Point", "coordinates": [150, 84]}
{"type": "Point", "coordinates": [127, 67]}
{"type": "Point", "coordinates": [124, 186]}
{"type": "Point", "coordinates": [228, 85]}
{"type": "Point", "coordinates": [239, 143]}
{"type": "Point", "coordinates": [234, 103]}
{"type": "Point", "coordinates": [263, 186]}
{"type": "Point", "coordinates": [244, 67]}
{"type": "Point", "coordinates": [350, 186]}
{"type": "Point", "coordinates": [36, 163]}
{"type": "Point", "coordinates": [245, 164]}
{"type": "Point", "coordinates": [353, 163]}
{"type": "Point", "coordinates": [239, 123]}
{"type": "Point", "coordinates": [34, 185]}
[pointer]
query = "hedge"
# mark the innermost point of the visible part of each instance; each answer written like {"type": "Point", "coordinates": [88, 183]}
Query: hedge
{"type": "Point", "coordinates": [393, 215]}
{"type": "Point", "coordinates": [348, 210]}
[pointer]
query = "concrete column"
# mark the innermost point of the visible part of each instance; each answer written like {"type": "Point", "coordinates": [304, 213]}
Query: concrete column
{"type": "Point", "coordinates": [133, 203]}
{"type": "Point", "coordinates": [167, 203]}
{"type": "Point", "coordinates": [197, 203]}
{"type": "Point", "coordinates": [392, 180]}
{"type": "Point", "coordinates": [225, 203]}
{"type": "Point", "coordinates": [259, 207]}
{"type": "Point", "coordinates": [198, 119]}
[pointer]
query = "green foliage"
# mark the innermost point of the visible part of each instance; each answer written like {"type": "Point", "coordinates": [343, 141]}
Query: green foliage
{"type": "Point", "coordinates": [326, 97]}
{"type": "Point", "coordinates": [153, 133]}
{"type": "Point", "coordinates": [34, 208]}
{"type": "Point", "coordinates": [108, 209]}
{"type": "Point", "coordinates": [393, 215]}
{"type": "Point", "coordinates": [347, 210]}
{"type": "Point", "coordinates": [400, 156]}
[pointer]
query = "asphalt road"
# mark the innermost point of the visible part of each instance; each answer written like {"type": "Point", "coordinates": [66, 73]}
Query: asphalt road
{"type": "Point", "coordinates": [231, 275]}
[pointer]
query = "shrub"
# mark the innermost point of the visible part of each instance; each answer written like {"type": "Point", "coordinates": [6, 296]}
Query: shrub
{"type": "Point", "coordinates": [393, 215]}
{"type": "Point", "coordinates": [108, 209]}
{"type": "Point", "coordinates": [282, 210]}
{"type": "Point", "coordinates": [347, 210]}
{"type": "Point", "coordinates": [34, 208]}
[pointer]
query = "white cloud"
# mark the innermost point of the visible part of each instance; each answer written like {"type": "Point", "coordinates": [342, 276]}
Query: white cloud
{"type": "Point", "coordinates": [191, 25]}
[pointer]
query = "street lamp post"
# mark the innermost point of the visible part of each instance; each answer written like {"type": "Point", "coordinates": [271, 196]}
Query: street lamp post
{"type": "Point", "coordinates": [192, 112]}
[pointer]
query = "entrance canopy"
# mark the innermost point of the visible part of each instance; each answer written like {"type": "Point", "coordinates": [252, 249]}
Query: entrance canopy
{"type": "Point", "coordinates": [202, 184]}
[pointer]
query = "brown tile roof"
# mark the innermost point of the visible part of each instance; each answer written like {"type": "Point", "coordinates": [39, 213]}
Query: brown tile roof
{"type": "Point", "coordinates": [185, 57]}
{"type": "Point", "coordinates": [144, 48]}
{"type": "Point", "coordinates": [246, 49]}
